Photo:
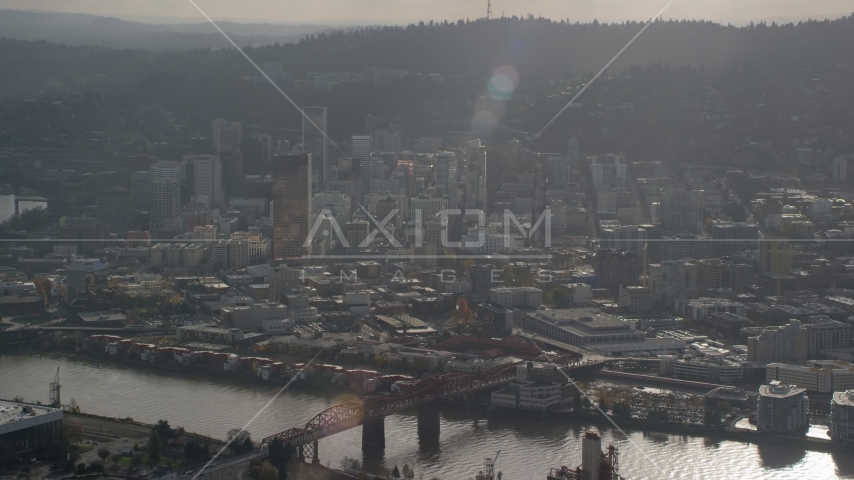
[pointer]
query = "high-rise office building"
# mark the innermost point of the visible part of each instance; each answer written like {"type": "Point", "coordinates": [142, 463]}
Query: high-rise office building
{"type": "Point", "coordinates": [292, 205]}
{"type": "Point", "coordinates": [114, 210]}
{"type": "Point", "coordinates": [682, 210]}
{"type": "Point", "coordinates": [226, 135]}
{"type": "Point", "coordinates": [729, 238]}
{"type": "Point", "coordinates": [361, 147]}
{"type": "Point", "coordinates": [165, 212]}
{"type": "Point", "coordinates": [572, 150]}
{"type": "Point", "coordinates": [386, 141]}
{"type": "Point", "coordinates": [207, 177]}
{"type": "Point", "coordinates": [476, 176]}
{"type": "Point", "coordinates": [140, 188]}
{"type": "Point", "coordinates": [314, 143]}
{"type": "Point", "coordinates": [232, 173]}
{"type": "Point", "coordinates": [608, 171]}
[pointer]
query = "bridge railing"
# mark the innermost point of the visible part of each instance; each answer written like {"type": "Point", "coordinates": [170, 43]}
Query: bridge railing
{"type": "Point", "coordinates": [357, 412]}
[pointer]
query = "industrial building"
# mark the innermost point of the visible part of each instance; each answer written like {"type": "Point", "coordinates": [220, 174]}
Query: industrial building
{"type": "Point", "coordinates": [25, 428]}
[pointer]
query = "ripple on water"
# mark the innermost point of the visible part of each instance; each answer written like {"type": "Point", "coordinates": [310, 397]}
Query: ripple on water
{"type": "Point", "coordinates": [529, 447]}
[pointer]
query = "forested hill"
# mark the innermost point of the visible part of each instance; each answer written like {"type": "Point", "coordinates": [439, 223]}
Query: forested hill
{"type": "Point", "coordinates": [535, 47]}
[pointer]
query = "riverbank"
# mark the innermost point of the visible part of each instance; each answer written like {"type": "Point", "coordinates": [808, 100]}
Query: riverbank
{"type": "Point", "coordinates": [94, 360]}
{"type": "Point", "coordinates": [212, 408]}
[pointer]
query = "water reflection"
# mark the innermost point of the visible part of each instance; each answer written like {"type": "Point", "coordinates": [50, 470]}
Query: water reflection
{"type": "Point", "coordinates": [774, 456]}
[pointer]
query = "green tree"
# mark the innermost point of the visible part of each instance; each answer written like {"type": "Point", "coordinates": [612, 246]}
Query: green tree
{"type": "Point", "coordinates": [135, 460]}
{"type": "Point", "coordinates": [711, 418]}
{"type": "Point", "coordinates": [164, 430]}
{"type": "Point", "coordinates": [268, 472]}
{"type": "Point", "coordinates": [395, 472]}
{"type": "Point", "coordinates": [155, 447]}
{"type": "Point", "coordinates": [103, 453]}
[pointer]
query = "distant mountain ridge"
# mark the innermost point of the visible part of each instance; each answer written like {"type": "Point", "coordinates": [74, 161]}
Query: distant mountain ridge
{"type": "Point", "coordinates": [91, 30]}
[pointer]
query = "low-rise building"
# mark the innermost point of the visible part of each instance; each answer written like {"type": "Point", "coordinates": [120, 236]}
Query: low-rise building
{"type": "Point", "coordinates": [712, 369]}
{"type": "Point", "coordinates": [28, 428]}
{"type": "Point", "coordinates": [821, 376]}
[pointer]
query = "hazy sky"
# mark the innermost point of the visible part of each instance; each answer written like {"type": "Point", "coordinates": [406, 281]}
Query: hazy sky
{"type": "Point", "coordinates": [363, 12]}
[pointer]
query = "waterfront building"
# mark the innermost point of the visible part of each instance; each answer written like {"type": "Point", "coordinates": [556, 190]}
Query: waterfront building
{"type": "Point", "coordinates": [782, 408]}
{"type": "Point", "coordinates": [842, 416]}
{"type": "Point", "coordinates": [29, 428]}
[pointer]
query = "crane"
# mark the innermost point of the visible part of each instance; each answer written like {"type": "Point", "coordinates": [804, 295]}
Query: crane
{"type": "Point", "coordinates": [54, 390]}
{"type": "Point", "coordinates": [489, 467]}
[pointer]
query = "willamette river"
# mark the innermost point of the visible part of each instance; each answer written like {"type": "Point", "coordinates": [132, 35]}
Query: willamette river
{"type": "Point", "coordinates": [529, 447]}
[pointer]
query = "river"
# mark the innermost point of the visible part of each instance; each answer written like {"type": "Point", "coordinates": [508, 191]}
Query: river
{"type": "Point", "coordinates": [7, 206]}
{"type": "Point", "coordinates": [529, 447]}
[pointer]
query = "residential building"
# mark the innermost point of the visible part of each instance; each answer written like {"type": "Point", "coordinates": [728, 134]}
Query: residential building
{"type": "Point", "coordinates": [682, 210]}
{"type": "Point", "coordinates": [842, 416]}
{"type": "Point", "coordinates": [635, 299]}
{"type": "Point", "coordinates": [672, 281]}
{"type": "Point", "coordinates": [820, 376]}
{"type": "Point", "coordinates": [516, 297]}
{"type": "Point", "coordinates": [782, 408]}
{"type": "Point", "coordinates": [780, 343]}
{"type": "Point", "coordinates": [608, 171]}
{"type": "Point", "coordinates": [165, 210]}
{"type": "Point", "coordinates": [616, 268]}
{"type": "Point", "coordinates": [775, 257]}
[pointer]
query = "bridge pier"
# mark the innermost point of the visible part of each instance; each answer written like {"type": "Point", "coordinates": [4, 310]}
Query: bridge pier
{"type": "Point", "coordinates": [373, 434]}
{"type": "Point", "coordinates": [428, 424]}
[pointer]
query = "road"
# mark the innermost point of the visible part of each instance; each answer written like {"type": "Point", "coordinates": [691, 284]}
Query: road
{"type": "Point", "coordinates": [588, 354]}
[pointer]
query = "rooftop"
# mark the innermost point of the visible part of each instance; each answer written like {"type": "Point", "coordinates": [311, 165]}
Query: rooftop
{"type": "Point", "coordinates": [844, 398]}
{"type": "Point", "coordinates": [21, 415]}
{"type": "Point", "coordinates": [588, 318]}
{"type": "Point", "coordinates": [778, 390]}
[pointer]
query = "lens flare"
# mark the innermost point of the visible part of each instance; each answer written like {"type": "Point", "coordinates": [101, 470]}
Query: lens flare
{"type": "Point", "coordinates": [503, 82]}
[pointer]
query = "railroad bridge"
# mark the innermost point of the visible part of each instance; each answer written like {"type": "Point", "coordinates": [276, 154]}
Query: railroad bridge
{"type": "Point", "coordinates": [370, 411]}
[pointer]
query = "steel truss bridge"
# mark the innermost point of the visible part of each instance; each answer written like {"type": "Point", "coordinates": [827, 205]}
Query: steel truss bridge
{"type": "Point", "coordinates": [367, 409]}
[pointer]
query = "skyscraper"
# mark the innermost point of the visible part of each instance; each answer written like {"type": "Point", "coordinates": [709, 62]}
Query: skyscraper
{"type": "Point", "coordinates": [207, 177]}
{"type": "Point", "coordinates": [682, 210]}
{"type": "Point", "coordinates": [476, 175]}
{"type": "Point", "coordinates": [226, 135]}
{"type": "Point", "coordinates": [114, 210]}
{"type": "Point", "coordinates": [361, 147]}
{"type": "Point", "coordinates": [292, 182]}
{"type": "Point", "coordinates": [165, 212]}
{"type": "Point", "coordinates": [314, 143]}
{"type": "Point", "coordinates": [446, 176]}
{"type": "Point", "coordinates": [572, 150]}
{"type": "Point", "coordinates": [140, 187]}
